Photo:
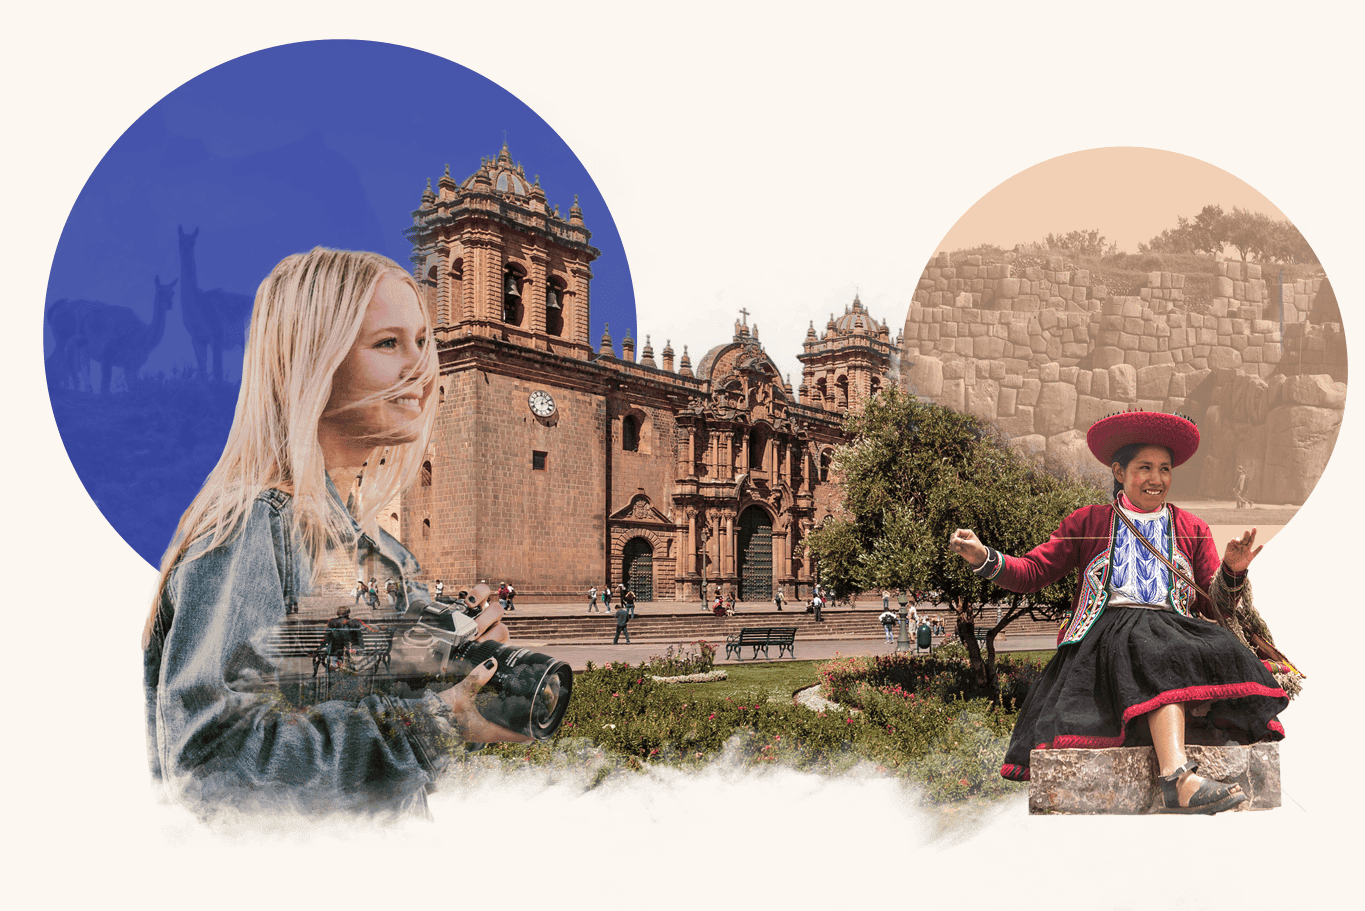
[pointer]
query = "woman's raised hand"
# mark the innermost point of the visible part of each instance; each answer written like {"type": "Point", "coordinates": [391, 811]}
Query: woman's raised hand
{"type": "Point", "coordinates": [966, 545]}
{"type": "Point", "coordinates": [1239, 554]}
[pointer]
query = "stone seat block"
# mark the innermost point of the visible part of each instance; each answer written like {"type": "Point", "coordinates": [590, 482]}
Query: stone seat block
{"type": "Point", "coordinates": [1122, 780]}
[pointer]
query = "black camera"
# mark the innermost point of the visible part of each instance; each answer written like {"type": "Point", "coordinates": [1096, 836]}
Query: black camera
{"type": "Point", "coordinates": [528, 693]}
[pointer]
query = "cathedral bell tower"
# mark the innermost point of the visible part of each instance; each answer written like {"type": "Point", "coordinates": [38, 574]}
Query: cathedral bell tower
{"type": "Point", "coordinates": [496, 260]}
{"type": "Point", "coordinates": [849, 364]}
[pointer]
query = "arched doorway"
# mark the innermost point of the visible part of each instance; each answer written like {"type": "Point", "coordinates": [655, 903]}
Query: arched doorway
{"type": "Point", "coordinates": [755, 552]}
{"type": "Point", "coordinates": [637, 568]}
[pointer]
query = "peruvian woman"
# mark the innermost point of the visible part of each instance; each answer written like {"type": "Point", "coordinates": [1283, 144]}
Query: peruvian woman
{"type": "Point", "coordinates": [1139, 655]}
{"type": "Point", "coordinates": [338, 373]}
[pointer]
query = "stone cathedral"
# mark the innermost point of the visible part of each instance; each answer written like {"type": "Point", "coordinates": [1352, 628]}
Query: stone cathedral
{"type": "Point", "coordinates": [558, 465]}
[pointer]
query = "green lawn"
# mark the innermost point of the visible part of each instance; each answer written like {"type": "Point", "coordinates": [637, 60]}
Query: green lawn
{"type": "Point", "coordinates": [777, 680]}
{"type": "Point", "coordinates": [769, 679]}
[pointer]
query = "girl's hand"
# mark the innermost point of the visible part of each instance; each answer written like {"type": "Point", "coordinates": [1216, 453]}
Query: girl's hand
{"type": "Point", "coordinates": [1238, 555]}
{"type": "Point", "coordinates": [472, 726]}
{"type": "Point", "coordinates": [965, 544]}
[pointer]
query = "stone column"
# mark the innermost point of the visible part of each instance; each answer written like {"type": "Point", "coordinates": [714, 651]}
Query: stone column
{"type": "Point", "coordinates": [689, 539]}
{"type": "Point", "coordinates": [729, 558]}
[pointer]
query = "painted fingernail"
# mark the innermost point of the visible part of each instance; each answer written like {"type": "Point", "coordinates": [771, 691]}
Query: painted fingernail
{"type": "Point", "coordinates": [490, 663]}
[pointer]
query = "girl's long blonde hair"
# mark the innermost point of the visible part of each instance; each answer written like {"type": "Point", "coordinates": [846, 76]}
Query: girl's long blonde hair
{"type": "Point", "coordinates": [307, 315]}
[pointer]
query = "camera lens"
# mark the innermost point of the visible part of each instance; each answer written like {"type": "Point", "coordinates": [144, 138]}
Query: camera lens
{"type": "Point", "coordinates": [528, 693]}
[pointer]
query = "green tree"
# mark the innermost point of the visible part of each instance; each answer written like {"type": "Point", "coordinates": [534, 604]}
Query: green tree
{"type": "Point", "coordinates": [1082, 243]}
{"type": "Point", "coordinates": [913, 474]}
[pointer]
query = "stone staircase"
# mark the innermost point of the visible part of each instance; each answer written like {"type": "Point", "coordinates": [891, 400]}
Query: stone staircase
{"type": "Point", "coordinates": [682, 627]}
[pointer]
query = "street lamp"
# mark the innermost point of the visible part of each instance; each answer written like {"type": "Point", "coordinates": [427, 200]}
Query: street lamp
{"type": "Point", "coordinates": [903, 636]}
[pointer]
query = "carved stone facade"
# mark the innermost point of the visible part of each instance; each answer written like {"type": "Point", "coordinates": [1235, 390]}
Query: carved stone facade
{"type": "Point", "coordinates": [557, 468]}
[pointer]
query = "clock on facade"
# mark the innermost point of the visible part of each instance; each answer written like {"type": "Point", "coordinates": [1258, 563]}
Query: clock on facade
{"type": "Point", "coordinates": [542, 404]}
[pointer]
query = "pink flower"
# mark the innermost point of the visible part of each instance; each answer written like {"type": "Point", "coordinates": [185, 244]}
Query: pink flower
{"type": "Point", "coordinates": [964, 782]}
{"type": "Point", "coordinates": [712, 718]}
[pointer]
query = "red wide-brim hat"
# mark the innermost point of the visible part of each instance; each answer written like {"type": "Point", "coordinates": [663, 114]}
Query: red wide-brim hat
{"type": "Point", "coordinates": [1146, 428]}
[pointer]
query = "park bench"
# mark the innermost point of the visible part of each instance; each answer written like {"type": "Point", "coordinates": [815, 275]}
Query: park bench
{"type": "Point", "coordinates": [309, 641]}
{"type": "Point", "coordinates": [760, 637]}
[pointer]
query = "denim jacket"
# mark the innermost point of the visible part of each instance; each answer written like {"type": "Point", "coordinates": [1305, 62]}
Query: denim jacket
{"type": "Point", "coordinates": [220, 736]}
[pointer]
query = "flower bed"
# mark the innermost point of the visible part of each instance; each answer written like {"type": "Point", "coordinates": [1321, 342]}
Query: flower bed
{"type": "Point", "coordinates": [952, 750]}
{"type": "Point", "coordinates": [708, 677]}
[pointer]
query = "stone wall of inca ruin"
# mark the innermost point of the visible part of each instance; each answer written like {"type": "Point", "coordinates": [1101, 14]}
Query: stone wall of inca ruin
{"type": "Point", "coordinates": [1045, 352]}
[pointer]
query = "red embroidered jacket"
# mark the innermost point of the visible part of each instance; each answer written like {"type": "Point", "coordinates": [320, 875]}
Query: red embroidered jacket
{"type": "Point", "coordinates": [1084, 541]}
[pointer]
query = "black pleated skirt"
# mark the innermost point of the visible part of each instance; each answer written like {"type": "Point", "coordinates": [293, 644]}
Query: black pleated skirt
{"type": "Point", "coordinates": [1094, 693]}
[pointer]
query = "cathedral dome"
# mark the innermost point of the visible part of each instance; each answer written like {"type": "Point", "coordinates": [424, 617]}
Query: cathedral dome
{"type": "Point", "coordinates": [855, 320]}
{"type": "Point", "coordinates": [504, 176]}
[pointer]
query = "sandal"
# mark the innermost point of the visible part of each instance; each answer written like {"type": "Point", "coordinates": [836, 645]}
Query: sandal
{"type": "Point", "coordinates": [1210, 797]}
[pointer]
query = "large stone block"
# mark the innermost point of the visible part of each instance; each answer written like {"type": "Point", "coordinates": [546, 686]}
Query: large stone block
{"type": "Point", "coordinates": [1107, 356]}
{"type": "Point", "coordinates": [954, 394]}
{"type": "Point", "coordinates": [1056, 411]}
{"type": "Point", "coordinates": [1090, 409]}
{"type": "Point", "coordinates": [983, 399]}
{"type": "Point", "coordinates": [1123, 382]}
{"type": "Point", "coordinates": [1225, 357]}
{"type": "Point", "coordinates": [1122, 780]}
{"type": "Point", "coordinates": [1317, 390]}
{"type": "Point", "coordinates": [1099, 383]}
{"type": "Point", "coordinates": [1028, 393]}
{"type": "Point", "coordinates": [1008, 401]}
{"type": "Point", "coordinates": [926, 376]}
{"type": "Point", "coordinates": [1154, 382]}
{"type": "Point", "coordinates": [1299, 440]}
{"type": "Point", "coordinates": [1018, 424]}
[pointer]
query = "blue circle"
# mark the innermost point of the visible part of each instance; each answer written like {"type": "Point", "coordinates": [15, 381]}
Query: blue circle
{"type": "Point", "coordinates": [322, 143]}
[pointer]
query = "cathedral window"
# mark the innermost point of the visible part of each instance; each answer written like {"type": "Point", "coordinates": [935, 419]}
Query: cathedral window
{"type": "Point", "coordinates": [554, 307]}
{"type": "Point", "coordinates": [512, 308]}
{"type": "Point", "coordinates": [538, 460]}
{"type": "Point", "coordinates": [825, 460]}
{"type": "Point", "coordinates": [630, 433]}
{"type": "Point", "coordinates": [758, 444]}
{"type": "Point", "coordinates": [426, 473]}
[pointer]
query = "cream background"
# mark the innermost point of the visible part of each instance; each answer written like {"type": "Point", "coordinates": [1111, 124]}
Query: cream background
{"type": "Point", "coordinates": [802, 149]}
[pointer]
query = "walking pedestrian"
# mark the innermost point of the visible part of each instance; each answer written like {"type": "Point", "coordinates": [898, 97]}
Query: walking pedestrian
{"type": "Point", "coordinates": [622, 618]}
{"type": "Point", "coordinates": [888, 619]}
{"type": "Point", "coordinates": [628, 599]}
{"type": "Point", "coordinates": [511, 598]}
{"type": "Point", "coordinates": [592, 599]}
{"type": "Point", "coordinates": [606, 597]}
{"type": "Point", "coordinates": [778, 597]}
{"type": "Point", "coordinates": [360, 589]}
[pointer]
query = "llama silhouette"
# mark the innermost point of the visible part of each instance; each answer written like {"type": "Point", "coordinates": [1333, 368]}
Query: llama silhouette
{"type": "Point", "coordinates": [69, 363]}
{"type": "Point", "coordinates": [216, 320]}
{"type": "Point", "coordinates": [114, 336]}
